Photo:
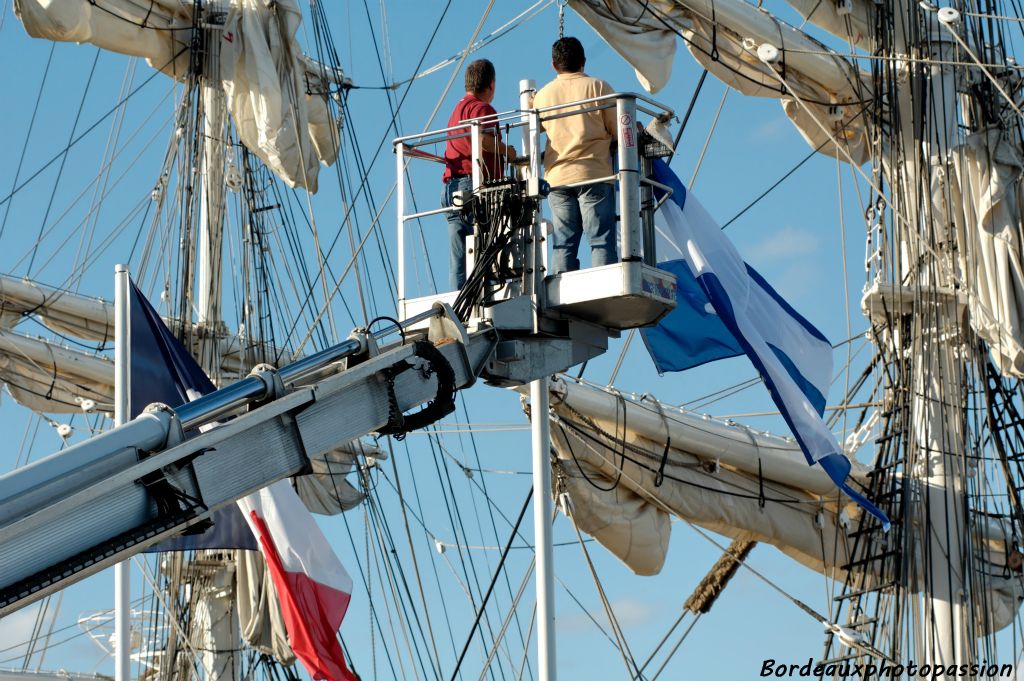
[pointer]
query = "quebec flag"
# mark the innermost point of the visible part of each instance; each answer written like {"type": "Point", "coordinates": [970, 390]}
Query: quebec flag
{"type": "Point", "coordinates": [725, 309]}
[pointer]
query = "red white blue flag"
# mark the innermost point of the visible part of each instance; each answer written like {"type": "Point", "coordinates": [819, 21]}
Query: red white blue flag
{"type": "Point", "coordinates": [162, 370]}
{"type": "Point", "coordinates": [312, 585]}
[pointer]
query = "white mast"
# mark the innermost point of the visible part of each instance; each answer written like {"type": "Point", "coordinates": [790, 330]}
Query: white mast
{"type": "Point", "coordinates": [540, 438]}
{"type": "Point", "coordinates": [543, 509]}
{"type": "Point", "coordinates": [216, 618]}
{"type": "Point", "coordinates": [928, 128]}
{"type": "Point", "coordinates": [211, 217]}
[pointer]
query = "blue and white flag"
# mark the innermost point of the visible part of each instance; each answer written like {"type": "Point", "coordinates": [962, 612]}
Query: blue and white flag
{"type": "Point", "coordinates": [725, 308]}
{"type": "Point", "coordinates": [162, 370]}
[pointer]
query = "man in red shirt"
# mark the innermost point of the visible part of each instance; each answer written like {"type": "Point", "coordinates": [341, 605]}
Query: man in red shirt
{"type": "Point", "coordinates": [458, 157]}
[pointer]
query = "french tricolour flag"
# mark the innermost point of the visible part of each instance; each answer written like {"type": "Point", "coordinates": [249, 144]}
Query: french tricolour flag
{"type": "Point", "coordinates": [162, 370]}
{"type": "Point", "coordinates": [312, 585]}
{"type": "Point", "coordinates": [725, 308]}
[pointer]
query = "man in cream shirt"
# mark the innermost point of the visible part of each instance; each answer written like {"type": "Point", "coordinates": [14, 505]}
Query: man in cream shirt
{"type": "Point", "coordinates": [578, 150]}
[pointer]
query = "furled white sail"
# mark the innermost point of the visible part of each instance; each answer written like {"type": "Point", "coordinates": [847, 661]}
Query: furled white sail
{"type": "Point", "coordinates": [325, 490]}
{"type": "Point", "coordinates": [986, 208]}
{"type": "Point", "coordinates": [268, 84]}
{"type": "Point", "coordinates": [157, 31]}
{"type": "Point", "coordinates": [624, 484]}
{"type": "Point", "coordinates": [714, 473]}
{"type": "Point", "coordinates": [724, 36]}
{"type": "Point", "coordinates": [259, 612]}
{"type": "Point", "coordinates": [275, 94]}
{"type": "Point", "coordinates": [91, 319]}
{"type": "Point", "coordinates": [48, 377]}
{"type": "Point", "coordinates": [63, 311]}
{"type": "Point", "coordinates": [850, 20]}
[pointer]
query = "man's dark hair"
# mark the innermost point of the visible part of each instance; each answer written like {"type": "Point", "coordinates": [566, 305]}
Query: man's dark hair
{"type": "Point", "coordinates": [567, 55]}
{"type": "Point", "coordinates": [479, 76]}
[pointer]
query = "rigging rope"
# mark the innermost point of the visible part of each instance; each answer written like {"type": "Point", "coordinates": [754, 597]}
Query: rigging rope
{"type": "Point", "coordinates": [668, 633]}
{"type": "Point", "coordinates": [364, 183]}
{"type": "Point", "coordinates": [31, 127]}
{"type": "Point", "coordinates": [63, 160]}
{"type": "Point", "coordinates": [675, 648]}
{"type": "Point", "coordinates": [620, 636]}
{"type": "Point", "coordinates": [416, 567]}
{"type": "Point", "coordinates": [490, 587]}
{"type": "Point", "coordinates": [492, 505]}
{"type": "Point", "coordinates": [76, 139]}
{"type": "Point", "coordinates": [517, 21]}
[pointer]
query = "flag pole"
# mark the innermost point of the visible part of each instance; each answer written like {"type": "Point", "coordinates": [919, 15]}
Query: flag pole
{"type": "Point", "coordinates": [122, 576]}
{"type": "Point", "coordinates": [543, 509]}
{"type": "Point", "coordinates": [540, 427]}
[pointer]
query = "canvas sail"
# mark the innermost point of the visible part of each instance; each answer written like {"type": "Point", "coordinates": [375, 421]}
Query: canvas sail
{"type": "Point", "coordinates": [850, 20]}
{"type": "Point", "coordinates": [723, 36]}
{"type": "Point", "coordinates": [274, 93]}
{"type": "Point", "coordinates": [624, 486]}
{"type": "Point", "coordinates": [985, 207]}
{"type": "Point", "coordinates": [90, 319]}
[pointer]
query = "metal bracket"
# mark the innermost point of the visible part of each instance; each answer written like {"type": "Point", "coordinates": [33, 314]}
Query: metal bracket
{"type": "Point", "coordinates": [175, 435]}
{"type": "Point", "coordinates": [271, 379]}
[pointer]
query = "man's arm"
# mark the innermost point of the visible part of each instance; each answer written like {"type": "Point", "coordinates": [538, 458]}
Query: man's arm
{"type": "Point", "coordinates": [490, 137]}
{"type": "Point", "coordinates": [490, 143]}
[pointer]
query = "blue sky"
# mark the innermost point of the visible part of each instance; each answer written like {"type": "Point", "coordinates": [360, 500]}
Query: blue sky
{"type": "Point", "coordinates": [793, 237]}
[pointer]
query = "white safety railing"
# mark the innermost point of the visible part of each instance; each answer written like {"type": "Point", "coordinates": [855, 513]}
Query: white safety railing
{"type": "Point", "coordinates": [636, 234]}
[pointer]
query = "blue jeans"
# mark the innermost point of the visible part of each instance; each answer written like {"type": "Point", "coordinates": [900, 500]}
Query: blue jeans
{"type": "Point", "coordinates": [589, 209]}
{"type": "Point", "coordinates": [458, 229]}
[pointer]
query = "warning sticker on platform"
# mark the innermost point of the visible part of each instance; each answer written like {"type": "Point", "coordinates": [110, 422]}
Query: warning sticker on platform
{"type": "Point", "coordinates": [627, 134]}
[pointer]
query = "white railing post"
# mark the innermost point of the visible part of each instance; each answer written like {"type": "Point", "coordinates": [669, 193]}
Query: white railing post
{"type": "Point", "coordinates": [476, 152]}
{"type": "Point", "coordinates": [535, 251]}
{"type": "Point", "coordinates": [400, 209]}
{"type": "Point", "coordinates": [629, 180]}
{"type": "Point", "coordinates": [527, 89]}
{"type": "Point", "coordinates": [476, 149]}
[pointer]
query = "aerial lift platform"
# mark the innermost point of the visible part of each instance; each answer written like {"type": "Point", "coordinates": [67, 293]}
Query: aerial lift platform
{"type": "Point", "coordinates": [97, 503]}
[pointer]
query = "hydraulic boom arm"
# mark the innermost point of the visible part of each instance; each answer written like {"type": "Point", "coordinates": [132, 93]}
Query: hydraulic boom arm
{"type": "Point", "coordinates": [98, 503]}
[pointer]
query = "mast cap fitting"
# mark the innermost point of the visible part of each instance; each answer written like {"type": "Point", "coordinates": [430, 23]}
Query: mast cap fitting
{"type": "Point", "coordinates": [768, 53]}
{"type": "Point", "coordinates": [949, 16]}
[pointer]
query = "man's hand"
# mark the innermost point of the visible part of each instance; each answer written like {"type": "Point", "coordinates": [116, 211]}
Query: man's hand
{"type": "Point", "coordinates": [510, 152]}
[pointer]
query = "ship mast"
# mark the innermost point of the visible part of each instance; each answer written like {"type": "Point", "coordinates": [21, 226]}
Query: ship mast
{"type": "Point", "coordinates": [922, 580]}
{"type": "Point", "coordinates": [213, 195]}
{"type": "Point", "coordinates": [927, 127]}
{"type": "Point", "coordinates": [216, 617]}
